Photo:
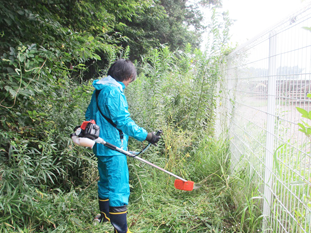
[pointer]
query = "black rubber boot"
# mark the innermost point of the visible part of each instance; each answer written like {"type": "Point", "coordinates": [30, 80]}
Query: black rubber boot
{"type": "Point", "coordinates": [118, 219]}
{"type": "Point", "coordinates": [104, 212]}
{"type": "Point", "coordinates": [104, 209]}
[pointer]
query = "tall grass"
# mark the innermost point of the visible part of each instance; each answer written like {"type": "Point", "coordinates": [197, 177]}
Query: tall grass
{"type": "Point", "coordinates": [222, 201]}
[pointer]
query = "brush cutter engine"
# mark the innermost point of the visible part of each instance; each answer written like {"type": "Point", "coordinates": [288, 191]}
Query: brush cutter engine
{"type": "Point", "coordinates": [88, 129]}
{"type": "Point", "coordinates": [86, 134]}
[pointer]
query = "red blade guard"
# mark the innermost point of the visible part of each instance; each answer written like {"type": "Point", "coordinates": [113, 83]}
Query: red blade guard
{"type": "Point", "coordinates": [184, 185]}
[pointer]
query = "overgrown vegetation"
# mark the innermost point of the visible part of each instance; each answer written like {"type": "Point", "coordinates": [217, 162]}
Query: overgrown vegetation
{"type": "Point", "coordinates": [50, 53]}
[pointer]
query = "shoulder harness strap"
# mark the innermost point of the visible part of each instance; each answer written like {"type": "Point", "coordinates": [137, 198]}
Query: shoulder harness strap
{"type": "Point", "coordinates": [107, 119]}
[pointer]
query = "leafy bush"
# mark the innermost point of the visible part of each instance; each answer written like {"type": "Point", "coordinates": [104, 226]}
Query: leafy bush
{"type": "Point", "coordinates": [38, 111]}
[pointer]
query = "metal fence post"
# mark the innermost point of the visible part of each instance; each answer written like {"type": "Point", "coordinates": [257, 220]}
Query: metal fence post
{"type": "Point", "coordinates": [270, 130]}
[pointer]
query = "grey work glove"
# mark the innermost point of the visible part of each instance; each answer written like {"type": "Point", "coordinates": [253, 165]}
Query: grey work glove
{"type": "Point", "coordinates": [153, 138]}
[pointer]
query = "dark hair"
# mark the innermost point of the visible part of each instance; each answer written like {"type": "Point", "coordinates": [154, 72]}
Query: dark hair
{"type": "Point", "coordinates": [122, 70]}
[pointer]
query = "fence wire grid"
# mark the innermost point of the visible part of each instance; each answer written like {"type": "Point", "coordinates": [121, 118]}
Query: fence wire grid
{"type": "Point", "coordinates": [263, 83]}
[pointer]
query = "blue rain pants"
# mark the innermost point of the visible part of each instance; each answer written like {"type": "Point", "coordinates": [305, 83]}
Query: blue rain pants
{"type": "Point", "coordinates": [114, 179]}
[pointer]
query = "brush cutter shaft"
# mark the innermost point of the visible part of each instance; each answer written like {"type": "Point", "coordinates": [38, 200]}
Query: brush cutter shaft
{"type": "Point", "coordinates": [163, 170]}
{"type": "Point", "coordinates": [102, 141]}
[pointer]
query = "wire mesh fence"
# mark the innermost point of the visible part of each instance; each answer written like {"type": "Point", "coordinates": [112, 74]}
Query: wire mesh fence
{"type": "Point", "coordinates": [263, 83]}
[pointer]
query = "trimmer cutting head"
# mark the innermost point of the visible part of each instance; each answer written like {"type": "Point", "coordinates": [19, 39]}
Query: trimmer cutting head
{"type": "Point", "coordinates": [184, 185]}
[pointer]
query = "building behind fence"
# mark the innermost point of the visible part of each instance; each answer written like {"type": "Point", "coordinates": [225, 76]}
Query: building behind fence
{"type": "Point", "coordinates": [263, 83]}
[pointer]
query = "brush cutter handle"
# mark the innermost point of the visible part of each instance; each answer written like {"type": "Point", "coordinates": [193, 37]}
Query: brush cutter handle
{"type": "Point", "coordinates": [153, 137]}
{"type": "Point", "coordinates": [159, 133]}
{"type": "Point", "coordinates": [143, 150]}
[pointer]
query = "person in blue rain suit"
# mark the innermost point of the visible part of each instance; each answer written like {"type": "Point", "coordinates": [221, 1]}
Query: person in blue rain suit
{"type": "Point", "coordinates": [109, 109]}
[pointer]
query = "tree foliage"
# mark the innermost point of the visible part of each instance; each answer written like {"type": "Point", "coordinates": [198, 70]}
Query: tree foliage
{"type": "Point", "coordinates": [172, 22]}
{"type": "Point", "coordinates": [68, 27]}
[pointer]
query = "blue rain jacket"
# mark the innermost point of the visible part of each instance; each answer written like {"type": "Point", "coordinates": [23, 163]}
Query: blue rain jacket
{"type": "Point", "coordinates": [113, 105]}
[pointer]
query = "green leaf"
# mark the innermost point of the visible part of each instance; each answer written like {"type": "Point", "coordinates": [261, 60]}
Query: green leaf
{"type": "Point", "coordinates": [301, 130]}
{"type": "Point", "coordinates": [276, 159]}
{"type": "Point", "coordinates": [97, 57]}
{"type": "Point", "coordinates": [306, 124]}
{"type": "Point", "coordinates": [302, 126]}
{"type": "Point", "coordinates": [303, 112]}
{"type": "Point", "coordinates": [11, 91]}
